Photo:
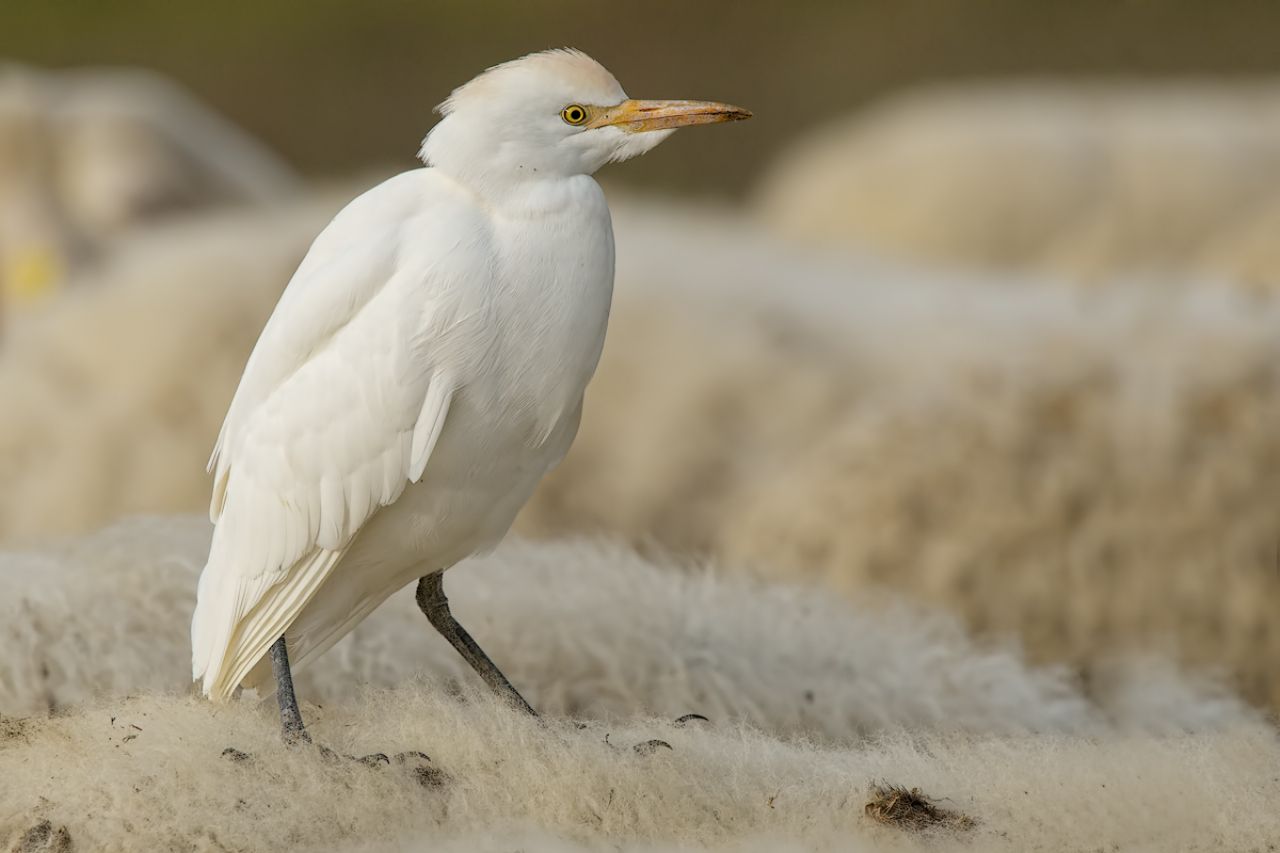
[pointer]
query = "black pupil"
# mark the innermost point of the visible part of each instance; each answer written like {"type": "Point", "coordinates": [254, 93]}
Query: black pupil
{"type": "Point", "coordinates": [575, 114]}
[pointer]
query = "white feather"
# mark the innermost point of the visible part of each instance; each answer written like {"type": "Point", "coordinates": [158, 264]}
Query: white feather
{"type": "Point", "coordinates": [295, 459]}
{"type": "Point", "coordinates": [422, 371]}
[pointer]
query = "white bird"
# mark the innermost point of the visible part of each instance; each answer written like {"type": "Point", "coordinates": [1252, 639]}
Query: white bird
{"type": "Point", "coordinates": [424, 368]}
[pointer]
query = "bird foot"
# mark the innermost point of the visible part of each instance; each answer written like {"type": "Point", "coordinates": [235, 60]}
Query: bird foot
{"type": "Point", "coordinates": [375, 759]}
{"type": "Point", "coordinates": [423, 771]}
{"type": "Point", "coordinates": [301, 737]}
{"type": "Point", "coordinates": [649, 747]}
{"type": "Point", "coordinates": [417, 763]}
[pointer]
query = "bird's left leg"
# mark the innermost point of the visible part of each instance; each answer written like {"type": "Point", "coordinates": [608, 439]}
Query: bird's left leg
{"type": "Point", "coordinates": [435, 605]}
{"type": "Point", "coordinates": [290, 716]}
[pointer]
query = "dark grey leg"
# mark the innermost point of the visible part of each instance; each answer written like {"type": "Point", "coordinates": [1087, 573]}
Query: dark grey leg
{"type": "Point", "coordinates": [435, 605]}
{"type": "Point", "coordinates": [290, 716]}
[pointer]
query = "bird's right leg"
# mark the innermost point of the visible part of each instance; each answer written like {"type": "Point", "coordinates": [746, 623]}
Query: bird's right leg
{"type": "Point", "coordinates": [290, 716]}
{"type": "Point", "coordinates": [434, 603]}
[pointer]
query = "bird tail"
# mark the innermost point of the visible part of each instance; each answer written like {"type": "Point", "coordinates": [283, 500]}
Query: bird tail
{"type": "Point", "coordinates": [237, 619]}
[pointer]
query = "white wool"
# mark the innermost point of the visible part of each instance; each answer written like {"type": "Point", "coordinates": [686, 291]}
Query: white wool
{"type": "Point", "coordinates": [1088, 179]}
{"type": "Point", "coordinates": [89, 155]}
{"type": "Point", "coordinates": [147, 773]}
{"type": "Point", "coordinates": [815, 413]}
{"type": "Point", "coordinates": [585, 629]}
{"type": "Point", "coordinates": [592, 632]}
{"type": "Point", "coordinates": [1086, 471]}
{"type": "Point", "coordinates": [114, 394]}
{"type": "Point", "coordinates": [116, 146]}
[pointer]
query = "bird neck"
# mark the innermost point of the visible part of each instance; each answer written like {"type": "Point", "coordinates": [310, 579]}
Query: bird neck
{"type": "Point", "coordinates": [499, 170]}
{"type": "Point", "coordinates": [544, 199]}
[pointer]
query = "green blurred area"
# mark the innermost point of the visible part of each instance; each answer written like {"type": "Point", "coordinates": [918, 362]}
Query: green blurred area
{"type": "Point", "coordinates": [338, 85]}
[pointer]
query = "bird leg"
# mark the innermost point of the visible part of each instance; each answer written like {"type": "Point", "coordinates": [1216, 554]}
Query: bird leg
{"type": "Point", "coordinates": [290, 716]}
{"type": "Point", "coordinates": [434, 603]}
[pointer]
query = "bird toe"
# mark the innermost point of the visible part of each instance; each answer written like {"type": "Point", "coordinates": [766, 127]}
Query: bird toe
{"type": "Point", "coordinates": [423, 771]}
{"type": "Point", "coordinates": [649, 747]}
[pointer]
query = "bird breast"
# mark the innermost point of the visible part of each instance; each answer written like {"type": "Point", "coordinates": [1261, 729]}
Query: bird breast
{"type": "Point", "coordinates": [554, 282]}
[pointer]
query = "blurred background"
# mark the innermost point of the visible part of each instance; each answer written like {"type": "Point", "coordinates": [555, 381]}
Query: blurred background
{"type": "Point", "coordinates": [332, 88]}
{"type": "Point", "coordinates": [981, 308]}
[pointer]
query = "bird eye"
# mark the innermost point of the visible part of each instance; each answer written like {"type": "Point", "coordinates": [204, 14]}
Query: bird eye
{"type": "Point", "coordinates": [574, 114]}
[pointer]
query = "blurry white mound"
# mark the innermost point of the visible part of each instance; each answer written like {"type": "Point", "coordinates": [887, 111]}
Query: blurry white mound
{"type": "Point", "coordinates": [88, 154]}
{"type": "Point", "coordinates": [587, 630]}
{"type": "Point", "coordinates": [1088, 472]}
{"type": "Point", "coordinates": [148, 774]}
{"type": "Point", "coordinates": [1083, 179]}
{"type": "Point", "coordinates": [114, 394]}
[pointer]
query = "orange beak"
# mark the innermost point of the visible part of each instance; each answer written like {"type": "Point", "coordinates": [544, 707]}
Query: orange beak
{"type": "Point", "coordinates": [639, 116]}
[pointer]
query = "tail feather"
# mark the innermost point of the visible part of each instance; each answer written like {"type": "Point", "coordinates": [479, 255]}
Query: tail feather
{"type": "Point", "coordinates": [308, 641]}
{"type": "Point", "coordinates": [227, 646]}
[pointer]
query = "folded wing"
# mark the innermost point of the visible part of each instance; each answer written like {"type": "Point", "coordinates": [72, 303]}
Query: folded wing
{"type": "Point", "coordinates": [339, 408]}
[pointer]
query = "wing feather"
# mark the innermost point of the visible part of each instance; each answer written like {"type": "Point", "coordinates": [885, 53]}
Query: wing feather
{"type": "Point", "coordinates": [435, 408]}
{"type": "Point", "coordinates": [340, 407]}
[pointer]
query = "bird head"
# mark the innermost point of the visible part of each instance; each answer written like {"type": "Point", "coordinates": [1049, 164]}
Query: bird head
{"type": "Point", "coordinates": [557, 113]}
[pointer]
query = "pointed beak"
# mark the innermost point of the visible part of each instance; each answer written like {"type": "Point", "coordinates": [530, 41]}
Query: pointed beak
{"type": "Point", "coordinates": [639, 116]}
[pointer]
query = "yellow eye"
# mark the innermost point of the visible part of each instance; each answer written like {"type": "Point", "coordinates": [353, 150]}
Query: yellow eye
{"type": "Point", "coordinates": [574, 114]}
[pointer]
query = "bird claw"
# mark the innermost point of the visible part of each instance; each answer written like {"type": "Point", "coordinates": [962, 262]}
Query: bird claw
{"type": "Point", "coordinates": [649, 747]}
{"type": "Point", "coordinates": [376, 759]}
{"type": "Point", "coordinates": [424, 773]}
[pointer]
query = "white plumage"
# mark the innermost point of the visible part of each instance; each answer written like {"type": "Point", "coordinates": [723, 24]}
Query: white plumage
{"type": "Point", "coordinates": [425, 366]}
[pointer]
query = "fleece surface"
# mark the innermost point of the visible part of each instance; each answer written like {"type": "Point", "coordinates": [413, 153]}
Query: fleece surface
{"type": "Point", "coordinates": [585, 629]}
{"type": "Point", "coordinates": [88, 155]}
{"type": "Point", "coordinates": [1088, 472]}
{"type": "Point", "coordinates": [1085, 178]}
{"type": "Point", "coordinates": [812, 701]}
{"type": "Point", "coordinates": [148, 774]}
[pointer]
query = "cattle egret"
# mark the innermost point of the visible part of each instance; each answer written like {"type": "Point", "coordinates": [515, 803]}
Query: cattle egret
{"type": "Point", "coordinates": [423, 370]}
